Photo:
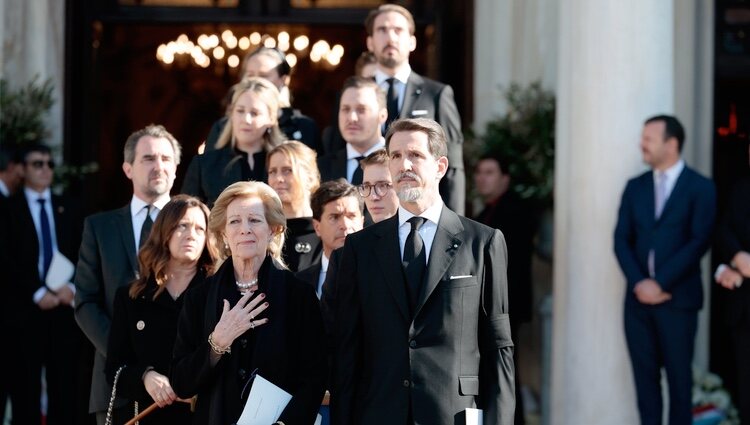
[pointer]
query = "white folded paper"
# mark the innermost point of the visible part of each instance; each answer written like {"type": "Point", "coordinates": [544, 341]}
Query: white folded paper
{"type": "Point", "coordinates": [264, 404]}
{"type": "Point", "coordinates": [474, 416]}
{"type": "Point", "coordinates": [60, 271]}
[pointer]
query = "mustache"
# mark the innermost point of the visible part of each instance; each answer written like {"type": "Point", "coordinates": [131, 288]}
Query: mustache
{"type": "Point", "coordinates": [408, 174]}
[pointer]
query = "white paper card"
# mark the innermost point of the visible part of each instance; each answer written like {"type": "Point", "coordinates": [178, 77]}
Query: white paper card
{"type": "Point", "coordinates": [264, 404]}
{"type": "Point", "coordinates": [474, 416]}
{"type": "Point", "coordinates": [60, 271]}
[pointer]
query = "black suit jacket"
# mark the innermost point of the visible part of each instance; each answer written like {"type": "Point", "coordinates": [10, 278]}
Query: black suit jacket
{"type": "Point", "coordinates": [302, 247]}
{"type": "Point", "coordinates": [210, 173]}
{"type": "Point", "coordinates": [679, 237]}
{"type": "Point", "coordinates": [332, 166]}
{"type": "Point", "coordinates": [310, 275]}
{"type": "Point", "coordinates": [107, 261]}
{"type": "Point", "coordinates": [24, 256]}
{"type": "Point", "coordinates": [455, 353]}
{"type": "Point", "coordinates": [732, 236]}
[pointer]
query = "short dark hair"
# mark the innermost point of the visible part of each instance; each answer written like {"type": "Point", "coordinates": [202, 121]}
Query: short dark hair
{"type": "Point", "coordinates": [152, 130]}
{"type": "Point", "coordinates": [379, 157]}
{"type": "Point", "coordinates": [385, 8]}
{"type": "Point", "coordinates": [357, 82]}
{"type": "Point", "coordinates": [37, 147]}
{"type": "Point", "coordinates": [436, 142]}
{"type": "Point", "coordinates": [502, 162]}
{"type": "Point", "coordinates": [331, 191]}
{"type": "Point", "coordinates": [8, 156]}
{"type": "Point", "coordinates": [672, 128]}
{"type": "Point", "coordinates": [364, 59]}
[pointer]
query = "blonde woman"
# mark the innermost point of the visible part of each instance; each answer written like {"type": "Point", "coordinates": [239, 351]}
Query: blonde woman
{"type": "Point", "coordinates": [251, 317]}
{"type": "Point", "coordinates": [251, 131]}
{"type": "Point", "coordinates": [293, 174]}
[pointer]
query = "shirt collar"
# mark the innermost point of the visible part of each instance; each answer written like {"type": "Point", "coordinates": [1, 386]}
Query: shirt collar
{"type": "Point", "coordinates": [402, 75]}
{"type": "Point", "coordinates": [352, 153]}
{"type": "Point", "coordinates": [137, 204]}
{"type": "Point", "coordinates": [431, 214]}
{"type": "Point", "coordinates": [672, 172]}
{"type": "Point", "coordinates": [4, 188]}
{"type": "Point", "coordinates": [32, 194]}
{"type": "Point", "coordinates": [323, 262]}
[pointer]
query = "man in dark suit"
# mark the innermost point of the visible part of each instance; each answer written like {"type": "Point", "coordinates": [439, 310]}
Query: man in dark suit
{"type": "Point", "coordinates": [733, 248]}
{"type": "Point", "coordinates": [422, 327]}
{"type": "Point", "coordinates": [361, 115]}
{"type": "Point", "coordinates": [11, 172]}
{"type": "Point", "coordinates": [337, 212]}
{"type": "Point", "coordinates": [41, 316]}
{"type": "Point", "coordinates": [506, 211]}
{"type": "Point", "coordinates": [390, 37]}
{"type": "Point", "coordinates": [110, 243]}
{"type": "Point", "coordinates": [664, 225]}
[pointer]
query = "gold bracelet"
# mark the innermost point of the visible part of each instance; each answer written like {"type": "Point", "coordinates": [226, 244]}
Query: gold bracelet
{"type": "Point", "coordinates": [218, 350]}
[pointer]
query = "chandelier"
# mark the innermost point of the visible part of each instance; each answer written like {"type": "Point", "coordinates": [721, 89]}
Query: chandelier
{"type": "Point", "coordinates": [227, 48]}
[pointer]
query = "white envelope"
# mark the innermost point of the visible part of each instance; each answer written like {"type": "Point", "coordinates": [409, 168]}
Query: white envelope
{"type": "Point", "coordinates": [60, 271]}
{"type": "Point", "coordinates": [264, 404]}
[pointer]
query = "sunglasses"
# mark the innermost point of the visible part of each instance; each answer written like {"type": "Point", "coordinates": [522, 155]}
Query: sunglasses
{"type": "Point", "coordinates": [40, 164]}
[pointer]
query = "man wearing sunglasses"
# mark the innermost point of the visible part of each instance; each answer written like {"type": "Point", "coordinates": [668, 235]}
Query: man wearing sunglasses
{"type": "Point", "coordinates": [41, 226]}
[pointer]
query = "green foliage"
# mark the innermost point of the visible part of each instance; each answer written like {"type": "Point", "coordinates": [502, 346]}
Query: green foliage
{"type": "Point", "coordinates": [525, 137]}
{"type": "Point", "coordinates": [22, 112]}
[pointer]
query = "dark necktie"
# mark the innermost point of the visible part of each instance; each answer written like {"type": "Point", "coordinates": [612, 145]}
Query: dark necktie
{"type": "Point", "coordinates": [46, 238]}
{"type": "Point", "coordinates": [414, 262]}
{"type": "Point", "coordinates": [392, 102]}
{"type": "Point", "coordinates": [146, 228]}
{"type": "Point", "coordinates": [357, 176]}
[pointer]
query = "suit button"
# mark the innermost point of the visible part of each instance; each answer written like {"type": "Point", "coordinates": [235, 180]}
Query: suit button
{"type": "Point", "coordinates": [406, 383]}
{"type": "Point", "coordinates": [413, 344]}
{"type": "Point", "coordinates": [242, 373]}
{"type": "Point", "coordinates": [243, 343]}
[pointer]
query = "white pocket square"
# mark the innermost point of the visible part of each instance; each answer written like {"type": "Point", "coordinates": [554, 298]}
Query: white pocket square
{"type": "Point", "coordinates": [463, 276]}
{"type": "Point", "coordinates": [419, 112]}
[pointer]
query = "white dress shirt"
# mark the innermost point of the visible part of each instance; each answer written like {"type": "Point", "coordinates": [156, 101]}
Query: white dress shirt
{"type": "Point", "coordinates": [4, 188]}
{"type": "Point", "coordinates": [352, 155]}
{"type": "Point", "coordinates": [427, 231]}
{"type": "Point", "coordinates": [401, 77]}
{"type": "Point", "coordinates": [138, 214]}
{"type": "Point", "coordinates": [322, 276]}
{"type": "Point", "coordinates": [672, 173]}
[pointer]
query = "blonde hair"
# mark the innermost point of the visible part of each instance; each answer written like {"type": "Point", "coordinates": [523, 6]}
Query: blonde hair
{"type": "Point", "coordinates": [304, 167]}
{"type": "Point", "coordinates": [269, 95]}
{"type": "Point", "coordinates": [273, 211]}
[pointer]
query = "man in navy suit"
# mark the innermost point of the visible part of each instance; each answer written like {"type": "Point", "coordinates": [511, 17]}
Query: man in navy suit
{"type": "Point", "coordinates": [664, 226]}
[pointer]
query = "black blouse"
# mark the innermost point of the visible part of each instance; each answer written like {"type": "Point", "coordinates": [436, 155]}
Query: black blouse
{"type": "Point", "coordinates": [141, 337]}
{"type": "Point", "coordinates": [288, 350]}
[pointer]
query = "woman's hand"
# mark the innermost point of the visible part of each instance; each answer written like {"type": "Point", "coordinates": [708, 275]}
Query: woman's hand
{"type": "Point", "coordinates": [158, 387]}
{"type": "Point", "coordinates": [235, 321]}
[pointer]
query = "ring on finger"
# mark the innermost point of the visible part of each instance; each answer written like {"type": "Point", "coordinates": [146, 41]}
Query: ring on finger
{"type": "Point", "coordinates": [252, 317]}
{"type": "Point", "coordinates": [252, 325]}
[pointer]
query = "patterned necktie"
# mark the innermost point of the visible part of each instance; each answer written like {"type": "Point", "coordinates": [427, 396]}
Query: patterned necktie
{"type": "Point", "coordinates": [146, 228]}
{"type": "Point", "coordinates": [46, 238]}
{"type": "Point", "coordinates": [661, 192]}
{"type": "Point", "coordinates": [357, 176]}
{"type": "Point", "coordinates": [415, 261]}
{"type": "Point", "coordinates": [392, 102]}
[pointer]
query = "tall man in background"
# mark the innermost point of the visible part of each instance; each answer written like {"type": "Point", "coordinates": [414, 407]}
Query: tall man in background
{"type": "Point", "coordinates": [108, 255]}
{"type": "Point", "coordinates": [390, 37]}
{"type": "Point", "coordinates": [663, 229]}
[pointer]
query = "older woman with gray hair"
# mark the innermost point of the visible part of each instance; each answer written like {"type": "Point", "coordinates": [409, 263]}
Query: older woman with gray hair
{"type": "Point", "coordinates": [251, 317]}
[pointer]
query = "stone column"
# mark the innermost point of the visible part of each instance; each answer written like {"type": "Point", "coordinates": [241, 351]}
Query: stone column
{"type": "Point", "coordinates": [615, 68]}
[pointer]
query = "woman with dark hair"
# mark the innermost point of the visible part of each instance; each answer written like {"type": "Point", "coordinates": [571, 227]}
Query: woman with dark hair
{"type": "Point", "coordinates": [144, 323]}
{"type": "Point", "coordinates": [252, 317]}
{"type": "Point", "coordinates": [293, 174]}
{"type": "Point", "coordinates": [251, 131]}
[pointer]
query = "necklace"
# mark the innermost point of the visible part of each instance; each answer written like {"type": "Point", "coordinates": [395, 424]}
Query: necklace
{"type": "Point", "coordinates": [251, 286]}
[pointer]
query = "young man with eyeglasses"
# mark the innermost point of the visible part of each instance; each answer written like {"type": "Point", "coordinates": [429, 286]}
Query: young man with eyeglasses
{"type": "Point", "coordinates": [377, 186]}
{"type": "Point", "coordinates": [38, 310]}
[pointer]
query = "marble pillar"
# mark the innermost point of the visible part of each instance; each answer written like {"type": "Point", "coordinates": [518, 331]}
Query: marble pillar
{"type": "Point", "coordinates": [615, 69]}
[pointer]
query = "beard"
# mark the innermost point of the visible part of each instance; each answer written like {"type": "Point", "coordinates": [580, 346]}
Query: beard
{"type": "Point", "coordinates": [390, 62]}
{"type": "Point", "coordinates": [409, 194]}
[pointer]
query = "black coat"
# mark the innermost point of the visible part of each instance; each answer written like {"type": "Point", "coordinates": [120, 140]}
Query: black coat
{"type": "Point", "coordinates": [302, 247]}
{"type": "Point", "coordinates": [141, 337]}
{"type": "Point", "coordinates": [733, 235]}
{"type": "Point", "coordinates": [287, 350]}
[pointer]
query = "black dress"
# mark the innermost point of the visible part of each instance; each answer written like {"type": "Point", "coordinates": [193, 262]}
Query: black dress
{"type": "Point", "coordinates": [142, 336]}
{"type": "Point", "coordinates": [302, 247]}
{"type": "Point", "coordinates": [288, 350]}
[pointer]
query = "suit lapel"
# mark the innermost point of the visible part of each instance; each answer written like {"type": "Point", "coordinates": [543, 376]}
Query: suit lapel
{"type": "Point", "coordinates": [125, 224]}
{"type": "Point", "coordinates": [388, 255]}
{"type": "Point", "coordinates": [339, 165]}
{"type": "Point", "coordinates": [679, 187]}
{"type": "Point", "coordinates": [443, 251]}
{"type": "Point", "coordinates": [27, 222]}
{"type": "Point", "coordinates": [412, 92]}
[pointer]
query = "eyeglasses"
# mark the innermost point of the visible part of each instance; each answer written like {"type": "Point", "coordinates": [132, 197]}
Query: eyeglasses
{"type": "Point", "coordinates": [40, 164]}
{"type": "Point", "coordinates": [381, 188]}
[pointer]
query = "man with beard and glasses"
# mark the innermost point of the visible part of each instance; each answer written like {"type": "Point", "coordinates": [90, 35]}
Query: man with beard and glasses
{"type": "Point", "coordinates": [107, 258]}
{"type": "Point", "coordinates": [422, 331]}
